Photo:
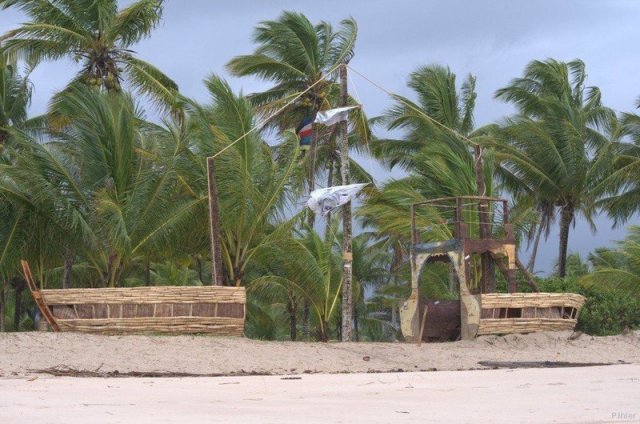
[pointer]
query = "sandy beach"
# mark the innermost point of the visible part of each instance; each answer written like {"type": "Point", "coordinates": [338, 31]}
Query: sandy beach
{"type": "Point", "coordinates": [609, 394]}
{"type": "Point", "coordinates": [274, 382]}
{"type": "Point", "coordinates": [25, 354]}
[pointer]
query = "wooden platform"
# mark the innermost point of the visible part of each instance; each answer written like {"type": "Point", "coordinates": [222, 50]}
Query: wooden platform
{"type": "Point", "coordinates": [165, 310]}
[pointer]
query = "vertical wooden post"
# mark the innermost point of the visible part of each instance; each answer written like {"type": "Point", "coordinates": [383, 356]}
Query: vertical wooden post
{"type": "Point", "coordinates": [347, 254]}
{"type": "Point", "coordinates": [217, 278]}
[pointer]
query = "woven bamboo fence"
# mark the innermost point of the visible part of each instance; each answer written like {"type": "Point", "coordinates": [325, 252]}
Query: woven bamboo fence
{"type": "Point", "coordinates": [168, 310]}
{"type": "Point", "coordinates": [529, 312]}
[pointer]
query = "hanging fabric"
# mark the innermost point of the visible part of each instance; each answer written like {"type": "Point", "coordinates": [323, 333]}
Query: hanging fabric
{"type": "Point", "coordinates": [305, 132]}
{"type": "Point", "coordinates": [333, 116]}
{"type": "Point", "coordinates": [324, 200]}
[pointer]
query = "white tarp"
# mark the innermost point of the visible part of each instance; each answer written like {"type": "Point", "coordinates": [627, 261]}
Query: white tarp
{"type": "Point", "coordinates": [324, 200]}
{"type": "Point", "coordinates": [333, 116]}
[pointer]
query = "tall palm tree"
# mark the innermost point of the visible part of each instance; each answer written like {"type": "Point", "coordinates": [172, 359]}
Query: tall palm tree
{"type": "Point", "coordinates": [96, 34]}
{"type": "Point", "coordinates": [553, 150]}
{"type": "Point", "coordinates": [298, 56]}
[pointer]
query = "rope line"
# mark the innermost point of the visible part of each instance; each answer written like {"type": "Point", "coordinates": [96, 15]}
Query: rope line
{"type": "Point", "coordinates": [415, 109]}
{"type": "Point", "coordinates": [357, 97]}
{"type": "Point", "coordinates": [262, 123]}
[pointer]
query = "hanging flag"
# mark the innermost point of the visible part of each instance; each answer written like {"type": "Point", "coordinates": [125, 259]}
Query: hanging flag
{"type": "Point", "coordinates": [305, 132]}
{"type": "Point", "coordinates": [333, 116]}
{"type": "Point", "coordinates": [324, 200]}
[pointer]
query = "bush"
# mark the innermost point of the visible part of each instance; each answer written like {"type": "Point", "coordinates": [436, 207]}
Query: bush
{"type": "Point", "coordinates": [605, 313]}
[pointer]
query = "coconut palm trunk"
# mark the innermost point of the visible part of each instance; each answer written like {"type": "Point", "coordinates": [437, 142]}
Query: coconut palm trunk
{"type": "Point", "coordinates": [347, 255]}
{"type": "Point", "coordinates": [566, 218]}
{"type": "Point", "coordinates": [292, 308]}
{"type": "Point", "coordinates": [534, 250]}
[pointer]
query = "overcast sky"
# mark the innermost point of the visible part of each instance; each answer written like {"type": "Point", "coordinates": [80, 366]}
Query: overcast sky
{"type": "Point", "coordinates": [492, 40]}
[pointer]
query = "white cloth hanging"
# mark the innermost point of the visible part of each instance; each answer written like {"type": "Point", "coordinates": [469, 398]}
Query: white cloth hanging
{"type": "Point", "coordinates": [333, 116]}
{"type": "Point", "coordinates": [324, 200]}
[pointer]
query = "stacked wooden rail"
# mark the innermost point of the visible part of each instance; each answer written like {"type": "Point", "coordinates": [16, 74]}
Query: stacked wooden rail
{"type": "Point", "coordinates": [168, 309]}
{"type": "Point", "coordinates": [529, 312]}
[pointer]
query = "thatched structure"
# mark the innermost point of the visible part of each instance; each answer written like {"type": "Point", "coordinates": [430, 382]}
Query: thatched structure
{"type": "Point", "coordinates": [167, 309]}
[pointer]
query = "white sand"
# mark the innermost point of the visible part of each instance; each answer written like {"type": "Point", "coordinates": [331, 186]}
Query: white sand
{"type": "Point", "coordinates": [561, 395]}
{"type": "Point", "coordinates": [20, 353]}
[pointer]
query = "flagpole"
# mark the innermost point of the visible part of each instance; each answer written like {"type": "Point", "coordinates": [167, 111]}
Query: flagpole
{"type": "Point", "coordinates": [347, 254]}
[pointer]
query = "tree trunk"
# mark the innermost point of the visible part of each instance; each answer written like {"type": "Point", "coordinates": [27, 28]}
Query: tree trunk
{"type": "Point", "coordinates": [356, 328]}
{"type": "Point", "coordinates": [534, 251]}
{"type": "Point", "coordinates": [292, 309]}
{"type": "Point", "coordinates": [68, 269]}
{"type": "Point", "coordinates": [217, 276]}
{"type": "Point", "coordinates": [324, 332]}
{"type": "Point", "coordinates": [488, 271]}
{"type": "Point", "coordinates": [347, 255]}
{"type": "Point", "coordinates": [147, 272]}
{"type": "Point", "coordinates": [566, 217]}
{"type": "Point", "coordinates": [306, 316]}
{"type": "Point", "coordinates": [200, 270]}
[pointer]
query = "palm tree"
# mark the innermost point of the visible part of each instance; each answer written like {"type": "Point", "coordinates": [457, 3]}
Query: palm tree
{"type": "Point", "coordinates": [621, 188]}
{"type": "Point", "coordinates": [96, 34]}
{"type": "Point", "coordinates": [298, 58]}
{"type": "Point", "coordinates": [552, 150]}
{"type": "Point", "coordinates": [15, 96]}
{"type": "Point", "coordinates": [310, 266]}
{"type": "Point", "coordinates": [618, 269]}
{"type": "Point", "coordinates": [94, 189]}
{"type": "Point", "coordinates": [253, 186]}
{"type": "Point", "coordinates": [436, 151]}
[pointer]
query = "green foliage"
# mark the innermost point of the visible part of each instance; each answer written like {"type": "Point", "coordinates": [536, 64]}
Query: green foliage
{"type": "Point", "coordinates": [553, 154]}
{"type": "Point", "coordinates": [618, 270]}
{"type": "Point", "coordinates": [96, 34]}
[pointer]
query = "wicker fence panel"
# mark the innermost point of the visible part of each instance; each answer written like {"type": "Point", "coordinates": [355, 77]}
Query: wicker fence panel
{"type": "Point", "coordinates": [532, 300]}
{"type": "Point", "coordinates": [142, 295]}
{"type": "Point", "coordinates": [169, 310]}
